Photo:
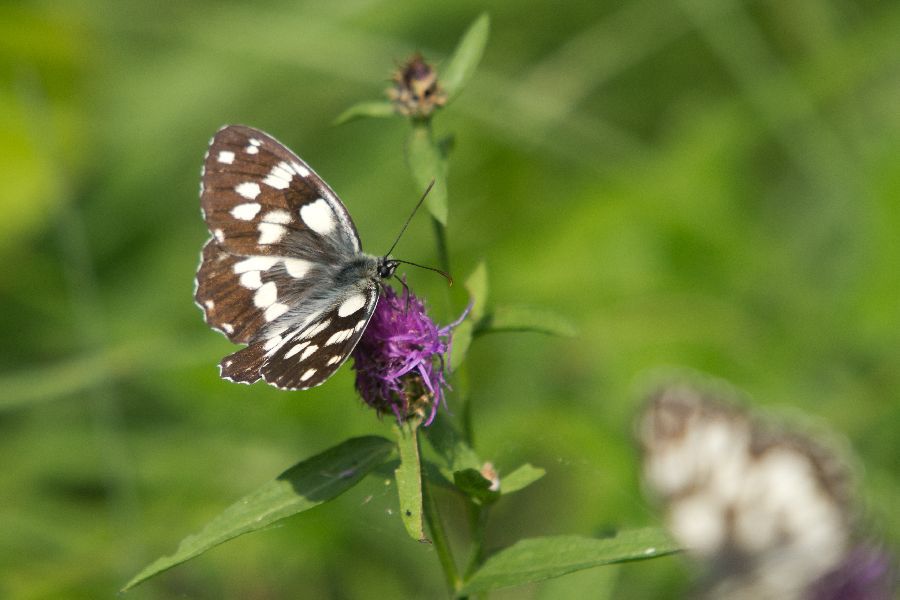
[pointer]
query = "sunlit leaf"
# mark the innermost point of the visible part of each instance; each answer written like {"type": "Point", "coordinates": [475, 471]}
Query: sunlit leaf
{"type": "Point", "coordinates": [477, 286]}
{"type": "Point", "coordinates": [303, 486]}
{"type": "Point", "coordinates": [377, 109]}
{"type": "Point", "coordinates": [521, 318]}
{"type": "Point", "coordinates": [462, 64]}
{"type": "Point", "coordinates": [409, 482]}
{"type": "Point", "coordinates": [520, 478]}
{"type": "Point", "coordinates": [427, 163]}
{"type": "Point", "coordinates": [536, 559]}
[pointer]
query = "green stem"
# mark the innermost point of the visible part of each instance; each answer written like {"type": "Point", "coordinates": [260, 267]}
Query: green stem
{"type": "Point", "coordinates": [477, 523]}
{"type": "Point", "coordinates": [439, 539]}
{"type": "Point", "coordinates": [440, 236]}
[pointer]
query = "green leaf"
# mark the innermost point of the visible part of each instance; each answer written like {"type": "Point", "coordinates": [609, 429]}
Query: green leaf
{"type": "Point", "coordinates": [450, 446]}
{"type": "Point", "coordinates": [521, 318]}
{"type": "Point", "coordinates": [474, 485]}
{"type": "Point", "coordinates": [537, 559]}
{"type": "Point", "coordinates": [379, 109]}
{"type": "Point", "coordinates": [409, 481]}
{"type": "Point", "coordinates": [477, 286]}
{"type": "Point", "coordinates": [427, 162]}
{"type": "Point", "coordinates": [462, 64]}
{"type": "Point", "coordinates": [303, 486]}
{"type": "Point", "coordinates": [520, 478]}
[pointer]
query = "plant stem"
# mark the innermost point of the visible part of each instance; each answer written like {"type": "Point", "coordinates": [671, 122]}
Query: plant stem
{"type": "Point", "coordinates": [477, 522]}
{"type": "Point", "coordinates": [439, 539]}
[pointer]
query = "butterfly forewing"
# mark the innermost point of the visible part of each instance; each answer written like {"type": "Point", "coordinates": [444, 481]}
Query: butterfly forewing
{"type": "Point", "coordinates": [274, 274]}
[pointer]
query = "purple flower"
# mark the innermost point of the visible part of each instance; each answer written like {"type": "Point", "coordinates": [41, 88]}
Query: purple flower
{"type": "Point", "coordinates": [865, 574]}
{"type": "Point", "coordinates": [400, 359]}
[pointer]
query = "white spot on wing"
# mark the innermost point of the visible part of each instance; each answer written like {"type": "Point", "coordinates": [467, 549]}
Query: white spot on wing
{"type": "Point", "coordinates": [253, 148]}
{"type": "Point", "coordinates": [312, 331]}
{"type": "Point", "coordinates": [280, 176]}
{"type": "Point", "coordinates": [220, 235]}
{"type": "Point", "coordinates": [249, 190]}
{"type": "Point", "coordinates": [270, 233]}
{"type": "Point", "coordinates": [275, 310]}
{"type": "Point", "coordinates": [339, 336]}
{"type": "Point", "coordinates": [334, 360]}
{"type": "Point", "coordinates": [271, 342]}
{"type": "Point", "coordinates": [209, 304]}
{"type": "Point", "coordinates": [351, 305]}
{"type": "Point", "coordinates": [308, 374]}
{"type": "Point", "coordinates": [308, 352]}
{"type": "Point", "coordinates": [297, 267]}
{"type": "Point", "coordinates": [281, 217]}
{"type": "Point", "coordinates": [255, 263]}
{"type": "Point", "coordinates": [246, 211]}
{"type": "Point", "coordinates": [226, 156]}
{"type": "Point", "coordinates": [297, 348]}
{"type": "Point", "coordinates": [265, 295]}
{"type": "Point", "coordinates": [300, 169]}
{"type": "Point", "coordinates": [227, 328]}
{"type": "Point", "coordinates": [318, 216]}
{"type": "Point", "coordinates": [251, 280]}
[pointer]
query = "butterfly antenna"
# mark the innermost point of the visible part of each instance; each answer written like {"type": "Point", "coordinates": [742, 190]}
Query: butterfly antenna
{"type": "Point", "coordinates": [408, 219]}
{"type": "Point", "coordinates": [438, 271]}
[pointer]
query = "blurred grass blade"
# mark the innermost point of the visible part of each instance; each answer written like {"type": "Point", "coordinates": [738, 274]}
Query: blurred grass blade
{"type": "Point", "coordinates": [462, 64]}
{"type": "Point", "coordinates": [426, 162]}
{"type": "Point", "coordinates": [521, 318]}
{"type": "Point", "coordinates": [303, 486]}
{"type": "Point", "coordinates": [536, 559]}
{"type": "Point", "coordinates": [520, 478]}
{"type": "Point", "coordinates": [409, 481]}
{"type": "Point", "coordinates": [378, 109]}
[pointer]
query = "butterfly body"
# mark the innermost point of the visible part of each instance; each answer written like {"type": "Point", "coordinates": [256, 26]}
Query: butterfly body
{"type": "Point", "coordinates": [283, 270]}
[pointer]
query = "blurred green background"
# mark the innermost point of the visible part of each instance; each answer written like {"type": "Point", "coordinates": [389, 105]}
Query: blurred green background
{"type": "Point", "coordinates": [705, 184]}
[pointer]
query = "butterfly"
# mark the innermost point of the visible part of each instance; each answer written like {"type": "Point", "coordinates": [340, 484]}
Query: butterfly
{"type": "Point", "coordinates": [283, 271]}
{"type": "Point", "coordinates": [766, 510]}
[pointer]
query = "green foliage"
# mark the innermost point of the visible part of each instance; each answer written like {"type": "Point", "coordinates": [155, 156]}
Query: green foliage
{"type": "Point", "coordinates": [537, 559]}
{"type": "Point", "coordinates": [462, 64]}
{"type": "Point", "coordinates": [711, 185]}
{"type": "Point", "coordinates": [300, 488]}
{"type": "Point", "coordinates": [409, 481]}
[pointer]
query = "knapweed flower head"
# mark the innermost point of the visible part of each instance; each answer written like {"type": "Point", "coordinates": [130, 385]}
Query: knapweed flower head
{"type": "Point", "coordinates": [416, 90]}
{"type": "Point", "coordinates": [401, 358]}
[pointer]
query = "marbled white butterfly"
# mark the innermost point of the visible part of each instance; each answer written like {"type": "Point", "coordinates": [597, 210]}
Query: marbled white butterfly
{"type": "Point", "coordinates": [284, 270]}
{"type": "Point", "coordinates": [767, 510]}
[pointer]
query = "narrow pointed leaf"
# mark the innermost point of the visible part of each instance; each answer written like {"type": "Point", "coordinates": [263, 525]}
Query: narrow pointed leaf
{"type": "Point", "coordinates": [537, 559]}
{"type": "Point", "coordinates": [427, 162]}
{"type": "Point", "coordinates": [462, 64]}
{"type": "Point", "coordinates": [409, 482]}
{"type": "Point", "coordinates": [379, 109]}
{"type": "Point", "coordinates": [303, 486]}
{"type": "Point", "coordinates": [520, 318]}
{"type": "Point", "coordinates": [520, 478]}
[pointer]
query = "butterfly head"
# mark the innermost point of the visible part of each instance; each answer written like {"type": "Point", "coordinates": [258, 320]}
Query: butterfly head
{"type": "Point", "coordinates": [386, 267]}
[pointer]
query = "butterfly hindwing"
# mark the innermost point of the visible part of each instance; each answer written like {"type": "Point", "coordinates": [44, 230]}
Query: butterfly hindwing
{"type": "Point", "coordinates": [305, 356]}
